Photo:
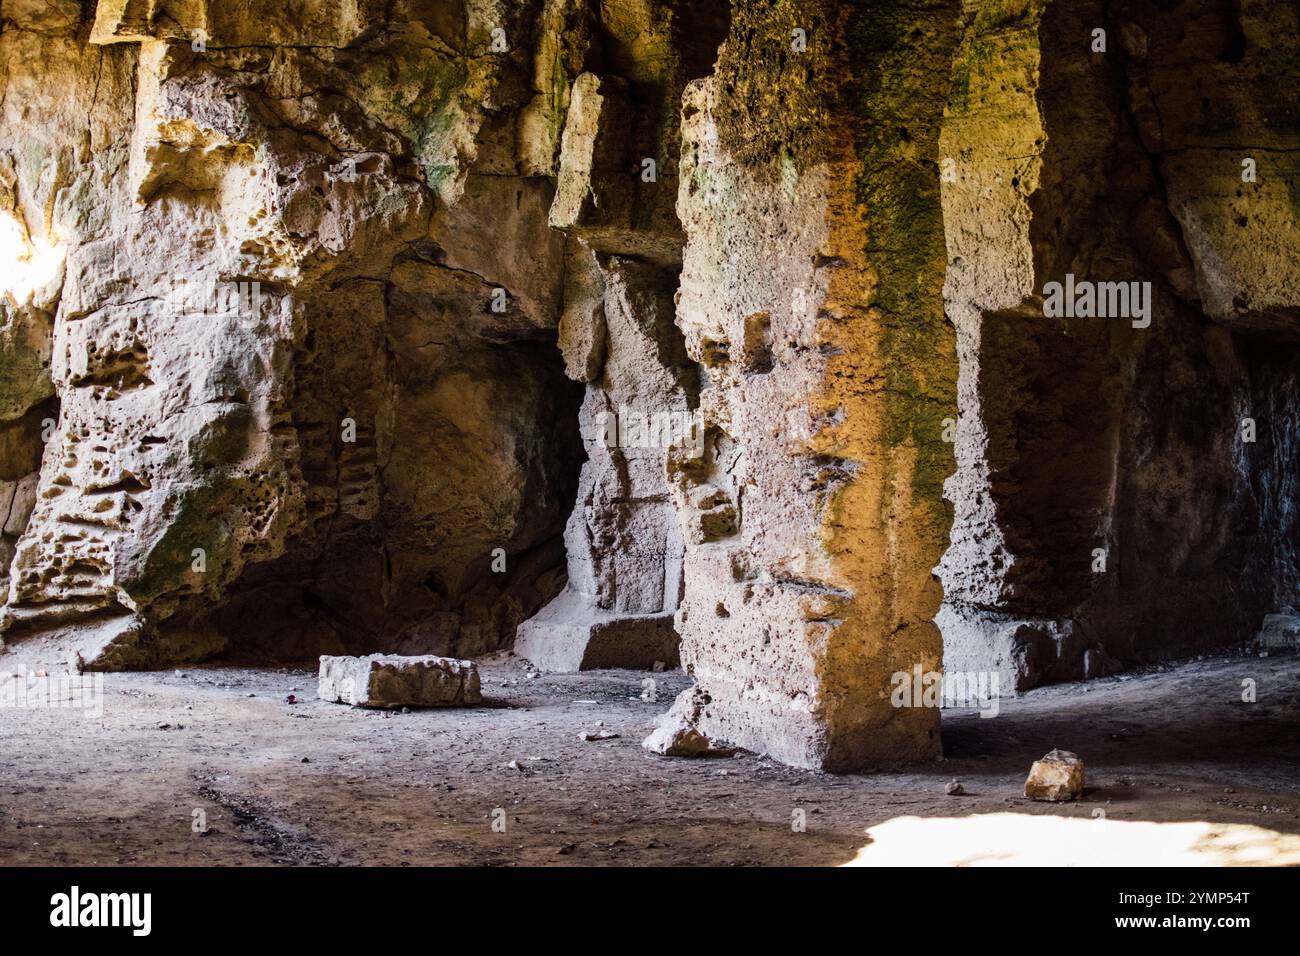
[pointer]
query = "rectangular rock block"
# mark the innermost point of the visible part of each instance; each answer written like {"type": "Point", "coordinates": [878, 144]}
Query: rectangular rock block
{"type": "Point", "coordinates": [388, 681]}
{"type": "Point", "coordinates": [1280, 632]}
{"type": "Point", "coordinates": [571, 634]}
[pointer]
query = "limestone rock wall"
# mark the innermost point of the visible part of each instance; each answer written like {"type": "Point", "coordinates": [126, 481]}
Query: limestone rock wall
{"type": "Point", "coordinates": [301, 396]}
{"type": "Point", "coordinates": [623, 541]}
{"type": "Point", "coordinates": [617, 181]}
{"type": "Point", "coordinates": [811, 294]}
{"type": "Point", "coordinates": [1108, 508]}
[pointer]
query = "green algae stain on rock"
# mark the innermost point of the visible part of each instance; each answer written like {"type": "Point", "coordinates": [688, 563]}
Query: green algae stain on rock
{"type": "Point", "coordinates": [24, 362]}
{"type": "Point", "coordinates": [195, 533]}
{"type": "Point", "coordinates": [899, 75]}
{"type": "Point", "coordinates": [421, 94]}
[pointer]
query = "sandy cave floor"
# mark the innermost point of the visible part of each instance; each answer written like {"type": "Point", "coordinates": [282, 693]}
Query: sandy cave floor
{"type": "Point", "coordinates": [1181, 770]}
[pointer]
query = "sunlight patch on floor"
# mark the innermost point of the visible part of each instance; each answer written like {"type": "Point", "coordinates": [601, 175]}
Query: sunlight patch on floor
{"type": "Point", "coordinates": [1015, 839]}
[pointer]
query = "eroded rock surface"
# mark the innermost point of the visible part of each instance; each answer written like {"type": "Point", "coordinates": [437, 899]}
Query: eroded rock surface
{"type": "Point", "coordinates": [302, 398]}
{"type": "Point", "coordinates": [811, 295]}
{"type": "Point", "coordinates": [1119, 494]}
{"type": "Point", "coordinates": [616, 191]}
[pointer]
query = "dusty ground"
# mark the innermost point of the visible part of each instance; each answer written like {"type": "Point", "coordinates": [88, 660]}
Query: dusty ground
{"type": "Point", "coordinates": [317, 783]}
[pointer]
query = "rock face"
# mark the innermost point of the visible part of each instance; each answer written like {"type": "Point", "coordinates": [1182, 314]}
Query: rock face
{"type": "Point", "coordinates": [387, 681]}
{"type": "Point", "coordinates": [616, 189]}
{"type": "Point", "coordinates": [623, 543]}
{"type": "Point", "coordinates": [640, 332]}
{"type": "Point", "coordinates": [810, 293]}
{"type": "Point", "coordinates": [1057, 778]}
{"type": "Point", "coordinates": [1118, 478]}
{"type": "Point", "coordinates": [300, 398]}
